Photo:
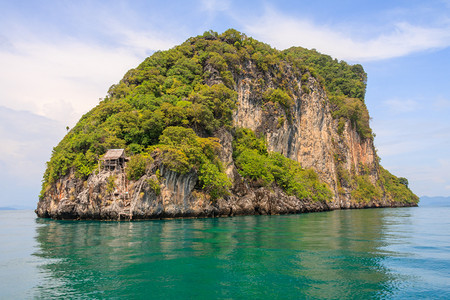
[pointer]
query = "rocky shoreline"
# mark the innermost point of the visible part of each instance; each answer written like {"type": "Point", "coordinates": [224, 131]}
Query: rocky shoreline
{"type": "Point", "coordinates": [177, 198]}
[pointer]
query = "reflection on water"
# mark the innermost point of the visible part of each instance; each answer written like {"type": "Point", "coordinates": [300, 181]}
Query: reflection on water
{"type": "Point", "coordinates": [337, 255]}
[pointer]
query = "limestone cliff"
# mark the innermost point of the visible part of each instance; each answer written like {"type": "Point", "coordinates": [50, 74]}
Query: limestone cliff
{"type": "Point", "coordinates": [311, 137]}
{"type": "Point", "coordinates": [305, 130]}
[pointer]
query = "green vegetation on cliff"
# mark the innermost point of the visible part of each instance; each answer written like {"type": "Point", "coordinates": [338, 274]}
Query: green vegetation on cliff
{"type": "Point", "coordinates": [181, 150]}
{"type": "Point", "coordinates": [264, 168]}
{"type": "Point", "coordinates": [397, 187]}
{"type": "Point", "coordinates": [175, 100]}
{"type": "Point", "coordinates": [363, 190]}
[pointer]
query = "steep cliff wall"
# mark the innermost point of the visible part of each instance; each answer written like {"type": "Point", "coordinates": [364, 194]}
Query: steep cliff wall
{"type": "Point", "coordinates": [310, 136]}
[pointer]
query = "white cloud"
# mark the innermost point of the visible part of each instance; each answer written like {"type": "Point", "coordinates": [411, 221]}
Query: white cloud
{"type": "Point", "coordinates": [27, 140]}
{"type": "Point", "coordinates": [144, 42]}
{"type": "Point", "coordinates": [62, 74]}
{"type": "Point", "coordinates": [137, 41]}
{"type": "Point", "coordinates": [63, 78]}
{"type": "Point", "coordinates": [441, 103]}
{"type": "Point", "coordinates": [403, 136]}
{"type": "Point", "coordinates": [215, 5]}
{"type": "Point", "coordinates": [401, 106]}
{"type": "Point", "coordinates": [48, 78]}
{"type": "Point", "coordinates": [283, 31]}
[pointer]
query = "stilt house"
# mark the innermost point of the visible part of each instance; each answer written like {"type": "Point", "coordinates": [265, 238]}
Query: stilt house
{"type": "Point", "coordinates": [114, 160]}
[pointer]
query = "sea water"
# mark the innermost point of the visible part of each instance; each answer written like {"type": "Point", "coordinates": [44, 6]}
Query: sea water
{"type": "Point", "coordinates": [389, 253]}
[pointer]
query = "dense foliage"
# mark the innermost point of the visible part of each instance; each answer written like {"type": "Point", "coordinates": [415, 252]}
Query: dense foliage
{"type": "Point", "coordinates": [394, 188]}
{"type": "Point", "coordinates": [365, 190]}
{"type": "Point", "coordinates": [137, 166]}
{"type": "Point", "coordinates": [397, 187]}
{"type": "Point", "coordinates": [265, 168]}
{"type": "Point", "coordinates": [182, 150]}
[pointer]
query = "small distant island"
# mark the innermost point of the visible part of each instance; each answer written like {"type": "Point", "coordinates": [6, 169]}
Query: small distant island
{"type": "Point", "coordinates": [223, 125]}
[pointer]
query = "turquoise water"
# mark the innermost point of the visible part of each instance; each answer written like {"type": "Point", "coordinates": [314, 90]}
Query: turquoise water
{"type": "Point", "coordinates": [353, 254]}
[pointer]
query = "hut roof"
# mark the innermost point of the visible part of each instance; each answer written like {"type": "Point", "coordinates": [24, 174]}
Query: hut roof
{"type": "Point", "coordinates": [114, 154]}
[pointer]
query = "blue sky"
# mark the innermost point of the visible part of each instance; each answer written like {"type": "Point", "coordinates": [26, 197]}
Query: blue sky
{"type": "Point", "coordinates": [58, 58]}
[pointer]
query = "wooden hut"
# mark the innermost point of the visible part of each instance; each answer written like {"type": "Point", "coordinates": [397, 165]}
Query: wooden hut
{"type": "Point", "coordinates": [114, 160]}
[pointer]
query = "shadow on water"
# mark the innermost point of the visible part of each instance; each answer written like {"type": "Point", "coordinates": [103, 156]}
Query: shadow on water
{"type": "Point", "coordinates": [331, 255]}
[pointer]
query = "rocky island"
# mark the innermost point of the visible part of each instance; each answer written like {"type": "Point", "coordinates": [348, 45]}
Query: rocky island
{"type": "Point", "coordinates": [223, 125]}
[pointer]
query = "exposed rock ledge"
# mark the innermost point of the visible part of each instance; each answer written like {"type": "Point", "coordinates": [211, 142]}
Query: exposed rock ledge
{"type": "Point", "coordinates": [71, 198]}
